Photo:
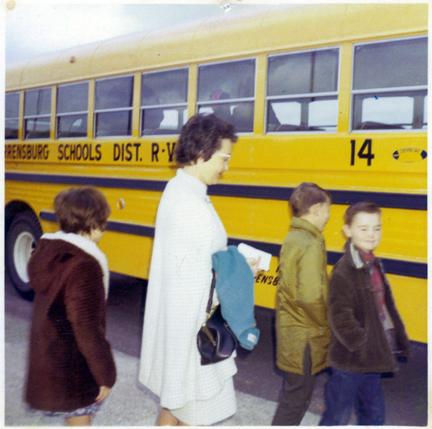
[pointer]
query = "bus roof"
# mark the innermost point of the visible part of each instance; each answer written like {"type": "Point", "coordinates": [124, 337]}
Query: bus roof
{"type": "Point", "coordinates": [280, 27]}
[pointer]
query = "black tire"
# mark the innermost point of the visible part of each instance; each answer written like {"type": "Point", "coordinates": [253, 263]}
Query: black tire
{"type": "Point", "coordinates": [21, 239]}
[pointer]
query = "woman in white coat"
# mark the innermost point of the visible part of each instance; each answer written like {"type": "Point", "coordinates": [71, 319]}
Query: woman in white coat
{"type": "Point", "coordinates": [188, 231]}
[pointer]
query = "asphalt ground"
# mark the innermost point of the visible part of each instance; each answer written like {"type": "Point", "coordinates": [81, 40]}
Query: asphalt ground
{"type": "Point", "coordinates": [257, 381]}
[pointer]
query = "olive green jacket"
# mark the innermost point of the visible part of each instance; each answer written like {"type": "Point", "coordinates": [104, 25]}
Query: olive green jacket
{"type": "Point", "coordinates": [301, 307]}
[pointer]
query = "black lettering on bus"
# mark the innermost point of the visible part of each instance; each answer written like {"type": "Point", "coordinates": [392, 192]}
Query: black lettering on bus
{"type": "Point", "coordinates": [98, 152]}
{"type": "Point", "coordinates": [79, 152]}
{"type": "Point", "coordinates": [126, 151]}
{"type": "Point", "coordinates": [27, 151]}
{"type": "Point", "coordinates": [60, 153]}
{"type": "Point", "coordinates": [170, 149]}
{"type": "Point", "coordinates": [46, 151]}
{"type": "Point", "coordinates": [365, 152]}
{"type": "Point", "coordinates": [40, 152]}
{"type": "Point", "coordinates": [137, 147]}
{"type": "Point", "coordinates": [155, 152]}
{"type": "Point", "coordinates": [116, 152]}
{"type": "Point", "coordinates": [85, 152]}
{"type": "Point", "coordinates": [262, 278]}
{"type": "Point", "coordinates": [72, 152]}
{"type": "Point", "coordinates": [267, 280]}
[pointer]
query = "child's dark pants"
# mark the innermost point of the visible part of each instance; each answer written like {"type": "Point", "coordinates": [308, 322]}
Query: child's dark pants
{"type": "Point", "coordinates": [296, 395]}
{"type": "Point", "coordinates": [347, 390]}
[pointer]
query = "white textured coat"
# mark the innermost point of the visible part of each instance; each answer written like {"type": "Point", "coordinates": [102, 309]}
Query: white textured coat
{"type": "Point", "coordinates": [188, 232]}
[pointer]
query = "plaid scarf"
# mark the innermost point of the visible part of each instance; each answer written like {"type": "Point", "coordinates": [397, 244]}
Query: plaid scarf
{"type": "Point", "coordinates": [377, 282]}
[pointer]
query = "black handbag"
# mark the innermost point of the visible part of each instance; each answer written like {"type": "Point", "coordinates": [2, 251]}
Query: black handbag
{"type": "Point", "coordinates": [215, 340]}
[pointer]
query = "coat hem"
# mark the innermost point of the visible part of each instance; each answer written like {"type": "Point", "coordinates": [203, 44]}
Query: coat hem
{"type": "Point", "coordinates": [363, 370]}
{"type": "Point", "coordinates": [298, 371]}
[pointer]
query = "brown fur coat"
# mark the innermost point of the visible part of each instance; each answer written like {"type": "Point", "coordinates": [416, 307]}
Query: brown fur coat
{"type": "Point", "coordinates": [69, 356]}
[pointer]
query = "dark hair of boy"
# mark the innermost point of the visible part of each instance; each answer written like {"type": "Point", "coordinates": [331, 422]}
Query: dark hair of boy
{"type": "Point", "coordinates": [305, 196]}
{"type": "Point", "coordinates": [81, 210]}
{"type": "Point", "coordinates": [361, 207]}
{"type": "Point", "coordinates": [201, 137]}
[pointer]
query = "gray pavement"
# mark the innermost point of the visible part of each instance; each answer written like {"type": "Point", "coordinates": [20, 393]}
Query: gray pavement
{"type": "Point", "coordinates": [130, 404]}
{"type": "Point", "coordinates": [257, 382]}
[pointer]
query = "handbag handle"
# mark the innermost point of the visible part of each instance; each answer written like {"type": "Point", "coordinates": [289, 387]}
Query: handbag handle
{"type": "Point", "coordinates": [212, 287]}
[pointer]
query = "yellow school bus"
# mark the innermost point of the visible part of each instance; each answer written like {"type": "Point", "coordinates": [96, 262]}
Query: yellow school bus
{"type": "Point", "coordinates": [329, 93]}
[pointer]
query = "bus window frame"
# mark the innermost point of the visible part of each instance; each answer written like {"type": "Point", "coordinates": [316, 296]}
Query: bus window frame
{"type": "Point", "coordinates": [393, 90]}
{"type": "Point", "coordinates": [18, 118]}
{"type": "Point", "coordinates": [58, 115]}
{"type": "Point", "coordinates": [26, 117]}
{"type": "Point", "coordinates": [117, 109]}
{"type": "Point", "coordinates": [252, 100]}
{"type": "Point", "coordinates": [303, 95]}
{"type": "Point", "coordinates": [161, 106]}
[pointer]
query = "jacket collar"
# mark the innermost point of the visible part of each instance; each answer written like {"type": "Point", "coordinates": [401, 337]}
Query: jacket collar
{"type": "Point", "coordinates": [355, 255]}
{"type": "Point", "coordinates": [299, 223]}
{"type": "Point", "coordinates": [355, 258]}
{"type": "Point", "coordinates": [87, 246]}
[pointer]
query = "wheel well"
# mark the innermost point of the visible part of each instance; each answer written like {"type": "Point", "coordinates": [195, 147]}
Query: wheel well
{"type": "Point", "coordinates": [14, 208]}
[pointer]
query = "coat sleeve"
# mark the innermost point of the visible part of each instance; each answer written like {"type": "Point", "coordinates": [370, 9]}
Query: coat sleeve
{"type": "Point", "coordinates": [343, 322]}
{"type": "Point", "coordinates": [402, 339]}
{"type": "Point", "coordinates": [85, 308]}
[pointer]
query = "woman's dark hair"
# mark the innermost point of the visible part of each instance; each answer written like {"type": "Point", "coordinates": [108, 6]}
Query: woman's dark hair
{"type": "Point", "coordinates": [360, 207]}
{"type": "Point", "coordinates": [201, 137]}
{"type": "Point", "coordinates": [305, 196]}
{"type": "Point", "coordinates": [81, 210]}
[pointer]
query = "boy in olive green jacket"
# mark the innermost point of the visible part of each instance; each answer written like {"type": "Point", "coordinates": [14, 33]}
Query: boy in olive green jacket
{"type": "Point", "coordinates": [302, 331]}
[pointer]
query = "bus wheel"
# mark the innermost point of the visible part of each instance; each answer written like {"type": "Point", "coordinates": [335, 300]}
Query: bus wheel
{"type": "Point", "coordinates": [21, 239]}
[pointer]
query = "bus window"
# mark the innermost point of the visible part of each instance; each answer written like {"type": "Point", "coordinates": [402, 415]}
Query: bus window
{"type": "Point", "coordinates": [72, 105]}
{"type": "Point", "coordinates": [389, 85]}
{"type": "Point", "coordinates": [302, 91]}
{"type": "Point", "coordinates": [113, 106]}
{"type": "Point", "coordinates": [164, 101]}
{"type": "Point", "coordinates": [11, 116]}
{"type": "Point", "coordinates": [228, 91]}
{"type": "Point", "coordinates": [37, 113]}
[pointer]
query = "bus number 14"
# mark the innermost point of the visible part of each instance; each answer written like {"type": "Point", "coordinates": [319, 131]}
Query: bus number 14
{"type": "Point", "coordinates": [365, 152]}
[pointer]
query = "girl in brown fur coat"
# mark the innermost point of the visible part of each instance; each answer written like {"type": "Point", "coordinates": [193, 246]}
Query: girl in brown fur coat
{"type": "Point", "coordinates": [71, 367]}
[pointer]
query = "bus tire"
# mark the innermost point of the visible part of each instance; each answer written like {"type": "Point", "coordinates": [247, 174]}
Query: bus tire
{"type": "Point", "coordinates": [21, 239]}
